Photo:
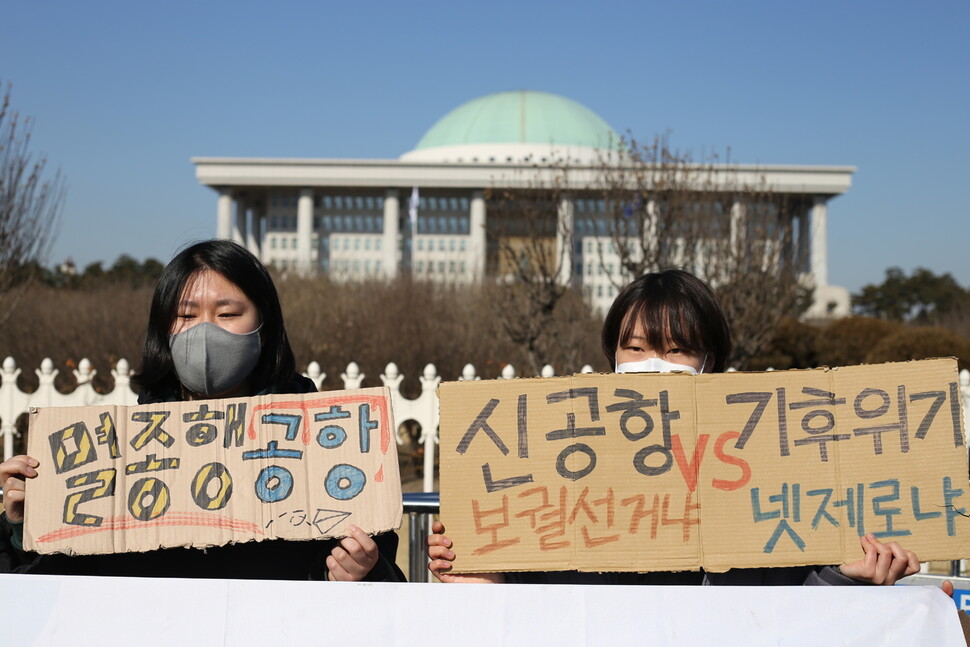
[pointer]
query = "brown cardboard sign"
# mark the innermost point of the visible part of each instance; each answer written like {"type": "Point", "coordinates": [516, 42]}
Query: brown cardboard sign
{"type": "Point", "coordinates": [205, 473]}
{"type": "Point", "coordinates": [647, 472]}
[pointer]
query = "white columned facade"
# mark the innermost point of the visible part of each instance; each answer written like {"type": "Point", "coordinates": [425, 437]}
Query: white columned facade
{"type": "Point", "coordinates": [476, 235]}
{"type": "Point", "coordinates": [224, 214]}
{"type": "Point", "coordinates": [819, 248]}
{"type": "Point", "coordinates": [389, 240]}
{"type": "Point", "coordinates": [565, 226]}
{"type": "Point", "coordinates": [254, 235]}
{"type": "Point", "coordinates": [239, 223]}
{"type": "Point", "coordinates": [304, 231]}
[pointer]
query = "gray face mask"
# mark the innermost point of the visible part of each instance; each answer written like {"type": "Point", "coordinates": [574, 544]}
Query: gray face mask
{"type": "Point", "coordinates": [210, 360]}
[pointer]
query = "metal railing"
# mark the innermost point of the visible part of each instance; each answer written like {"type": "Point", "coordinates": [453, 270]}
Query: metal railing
{"type": "Point", "coordinates": [419, 506]}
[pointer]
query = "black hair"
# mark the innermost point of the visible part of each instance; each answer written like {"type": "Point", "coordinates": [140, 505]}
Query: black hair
{"type": "Point", "coordinates": [276, 365]}
{"type": "Point", "coordinates": [675, 308]}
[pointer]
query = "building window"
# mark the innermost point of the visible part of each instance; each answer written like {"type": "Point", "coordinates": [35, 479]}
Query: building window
{"type": "Point", "coordinates": [367, 244]}
{"type": "Point", "coordinates": [463, 244]}
{"type": "Point", "coordinates": [420, 244]}
{"type": "Point", "coordinates": [294, 242]}
{"type": "Point", "coordinates": [377, 244]}
{"type": "Point", "coordinates": [420, 266]}
{"type": "Point", "coordinates": [283, 243]}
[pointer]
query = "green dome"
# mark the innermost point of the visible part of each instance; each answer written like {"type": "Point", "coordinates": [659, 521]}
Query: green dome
{"type": "Point", "coordinates": [522, 117]}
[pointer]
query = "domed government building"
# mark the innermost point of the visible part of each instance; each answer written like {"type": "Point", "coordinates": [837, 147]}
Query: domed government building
{"type": "Point", "coordinates": [427, 212]}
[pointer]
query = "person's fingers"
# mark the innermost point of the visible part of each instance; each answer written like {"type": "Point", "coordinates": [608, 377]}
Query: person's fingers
{"type": "Point", "coordinates": [871, 559]}
{"type": "Point", "coordinates": [914, 564]}
{"type": "Point", "coordinates": [439, 540]}
{"type": "Point", "coordinates": [885, 562]}
{"type": "Point", "coordinates": [947, 587]}
{"type": "Point", "coordinates": [13, 492]}
{"type": "Point", "coordinates": [439, 566]}
{"type": "Point", "coordinates": [13, 483]}
{"type": "Point", "coordinates": [364, 542]}
{"type": "Point", "coordinates": [14, 496]}
{"type": "Point", "coordinates": [438, 528]}
{"type": "Point", "coordinates": [442, 553]}
{"type": "Point", "coordinates": [899, 564]}
{"type": "Point", "coordinates": [337, 573]}
{"type": "Point", "coordinates": [345, 567]}
{"type": "Point", "coordinates": [355, 551]}
{"type": "Point", "coordinates": [23, 465]}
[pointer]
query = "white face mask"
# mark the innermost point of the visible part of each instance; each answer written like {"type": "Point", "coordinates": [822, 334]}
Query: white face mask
{"type": "Point", "coordinates": [657, 365]}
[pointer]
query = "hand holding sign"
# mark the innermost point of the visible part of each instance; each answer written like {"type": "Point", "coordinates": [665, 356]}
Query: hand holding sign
{"type": "Point", "coordinates": [353, 559]}
{"type": "Point", "coordinates": [13, 471]}
{"type": "Point", "coordinates": [883, 563]}
{"type": "Point", "coordinates": [441, 556]}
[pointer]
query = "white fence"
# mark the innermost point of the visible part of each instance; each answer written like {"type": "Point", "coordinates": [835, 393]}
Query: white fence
{"type": "Point", "coordinates": [422, 410]}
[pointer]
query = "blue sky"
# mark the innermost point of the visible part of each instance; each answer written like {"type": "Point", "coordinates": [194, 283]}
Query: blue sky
{"type": "Point", "coordinates": [124, 93]}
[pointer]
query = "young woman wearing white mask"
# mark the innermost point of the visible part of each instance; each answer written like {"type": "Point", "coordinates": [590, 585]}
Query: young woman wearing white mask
{"type": "Point", "coordinates": [672, 321]}
{"type": "Point", "coordinates": [215, 330]}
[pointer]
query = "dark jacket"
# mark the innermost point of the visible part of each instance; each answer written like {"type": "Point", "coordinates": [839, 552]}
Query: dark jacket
{"type": "Point", "coordinates": [277, 559]}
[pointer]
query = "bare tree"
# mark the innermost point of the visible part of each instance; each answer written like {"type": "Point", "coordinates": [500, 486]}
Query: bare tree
{"type": "Point", "coordinates": [530, 238]}
{"type": "Point", "coordinates": [657, 208]}
{"type": "Point", "coordinates": [30, 206]}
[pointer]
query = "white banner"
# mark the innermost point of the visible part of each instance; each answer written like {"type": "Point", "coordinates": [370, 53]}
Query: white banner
{"type": "Point", "coordinates": [102, 612]}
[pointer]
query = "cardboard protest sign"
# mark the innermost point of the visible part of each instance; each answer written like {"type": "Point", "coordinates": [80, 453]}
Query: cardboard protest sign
{"type": "Point", "coordinates": [646, 472]}
{"type": "Point", "coordinates": [204, 473]}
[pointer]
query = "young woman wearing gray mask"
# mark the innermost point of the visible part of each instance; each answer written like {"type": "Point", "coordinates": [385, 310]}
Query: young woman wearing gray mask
{"type": "Point", "coordinates": [215, 330]}
{"type": "Point", "coordinates": [672, 321]}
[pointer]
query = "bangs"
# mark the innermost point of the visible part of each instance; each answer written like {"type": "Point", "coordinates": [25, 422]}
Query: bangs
{"type": "Point", "coordinates": [666, 325]}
